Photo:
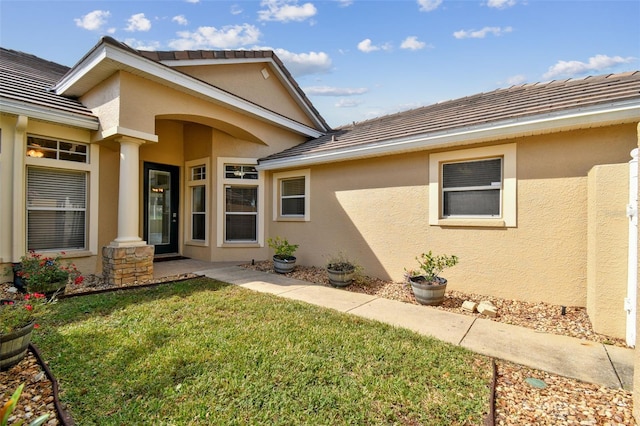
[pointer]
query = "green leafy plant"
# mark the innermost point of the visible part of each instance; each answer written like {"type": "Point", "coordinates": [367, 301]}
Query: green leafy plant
{"type": "Point", "coordinates": [9, 406]}
{"type": "Point", "coordinates": [16, 314]}
{"type": "Point", "coordinates": [284, 250]}
{"type": "Point", "coordinates": [45, 274]}
{"type": "Point", "coordinates": [430, 266]}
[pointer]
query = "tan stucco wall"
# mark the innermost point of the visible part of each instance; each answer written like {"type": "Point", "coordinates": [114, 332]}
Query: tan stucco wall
{"type": "Point", "coordinates": [377, 211]}
{"type": "Point", "coordinates": [607, 248]}
{"type": "Point", "coordinates": [247, 82]}
{"type": "Point", "coordinates": [85, 261]}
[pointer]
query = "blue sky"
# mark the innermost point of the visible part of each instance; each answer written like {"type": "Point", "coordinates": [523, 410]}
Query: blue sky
{"type": "Point", "coordinates": [356, 60]}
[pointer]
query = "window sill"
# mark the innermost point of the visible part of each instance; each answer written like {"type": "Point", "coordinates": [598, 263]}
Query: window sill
{"type": "Point", "coordinates": [291, 219]}
{"type": "Point", "coordinates": [197, 243]}
{"type": "Point", "coordinates": [240, 245]}
{"type": "Point", "coordinates": [473, 223]}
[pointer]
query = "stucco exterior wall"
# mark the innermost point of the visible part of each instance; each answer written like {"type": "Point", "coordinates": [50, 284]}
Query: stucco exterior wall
{"type": "Point", "coordinates": [607, 249]}
{"type": "Point", "coordinates": [247, 81]}
{"type": "Point", "coordinates": [377, 211]}
{"type": "Point", "coordinates": [13, 244]}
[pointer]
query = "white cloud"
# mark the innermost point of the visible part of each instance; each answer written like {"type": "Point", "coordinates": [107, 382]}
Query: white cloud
{"type": "Point", "coordinates": [138, 22]}
{"type": "Point", "coordinates": [516, 80]}
{"type": "Point", "coordinates": [300, 64]}
{"type": "Point", "coordinates": [345, 3]}
{"type": "Point", "coordinates": [236, 9]}
{"type": "Point", "coordinates": [367, 46]}
{"type": "Point", "coordinates": [501, 4]}
{"type": "Point", "coordinates": [285, 11]}
{"type": "Point", "coordinates": [227, 37]}
{"type": "Point", "coordinates": [180, 20]}
{"type": "Point", "coordinates": [412, 43]}
{"type": "Point", "coordinates": [193, 1]}
{"type": "Point", "coordinates": [595, 63]}
{"type": "Point", "coordinates": [429, 5]}
{"type": "Point", "coordinates": [334, 91]}
{"type": "Point", "coordinates": [496, 31]}
{"type": "Point", "coordinates": [93, 20]}
{"type": "Point", "coordinates": [347, 103]}
{"type": "Point", "coordinates": [142, 45]}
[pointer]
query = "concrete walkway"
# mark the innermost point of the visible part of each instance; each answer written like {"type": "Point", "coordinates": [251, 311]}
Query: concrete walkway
{"type": "Point", "coordinates": [591, 362]}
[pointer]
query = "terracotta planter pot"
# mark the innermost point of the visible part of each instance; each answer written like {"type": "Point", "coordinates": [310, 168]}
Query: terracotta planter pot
{"type": "Point", "coordinates": [14, 345]}
{"type": "Point", "coordinates": [428, 293]}
{"type": "Point", "coordinates": [282, 266]}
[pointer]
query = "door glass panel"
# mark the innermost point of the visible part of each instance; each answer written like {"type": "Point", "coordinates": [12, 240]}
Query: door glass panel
{"type": "Point", "coordinates": [159, 216]}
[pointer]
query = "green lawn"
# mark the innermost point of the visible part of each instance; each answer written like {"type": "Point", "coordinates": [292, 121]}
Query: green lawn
{"type": "Point", "coordinates": [203, 352]}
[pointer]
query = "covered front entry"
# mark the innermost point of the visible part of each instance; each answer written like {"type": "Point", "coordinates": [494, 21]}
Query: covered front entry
{"type": "Point", "coordinates": [161, 203]}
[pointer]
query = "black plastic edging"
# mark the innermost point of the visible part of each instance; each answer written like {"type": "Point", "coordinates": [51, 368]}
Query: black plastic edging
{"type": "Point", "coordinates": [132, 287]}
{"type": "Point", "coordinates": [490, 418]}
{"type": "Point", "coordinates": [63, 416]}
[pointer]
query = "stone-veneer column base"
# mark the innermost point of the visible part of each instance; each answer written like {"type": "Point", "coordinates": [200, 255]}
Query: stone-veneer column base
{"type": "Point", "coordinates": [122, 266]}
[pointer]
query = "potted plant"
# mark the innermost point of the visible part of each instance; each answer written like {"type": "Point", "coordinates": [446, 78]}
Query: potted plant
{"type": "Point", "coordinates": [341, 270]}
{"type": "Point", "coordinates": [283, 260]}
{"type": "Point", "coordinates": [17, 321]}
{"type": "Point", "coordinates": [43, 274]}
{"type": "Point", "coordinates": [427, 285]}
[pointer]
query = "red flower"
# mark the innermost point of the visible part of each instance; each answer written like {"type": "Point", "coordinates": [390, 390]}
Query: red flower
{"type": "Point", "coordinates": [36, 325]}
{"type": "Point", "coordinates": [79, 279]}
{"type": "Point", "coordinates": [38, 295]}
{"type": "Point", "coordinates": [27, 296]}
{"type": "Point", "coordinates": [28, 307]}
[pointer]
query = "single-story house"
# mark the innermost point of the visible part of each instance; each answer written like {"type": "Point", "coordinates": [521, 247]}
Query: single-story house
{"type": "Point", "coordinates": [131, 155]}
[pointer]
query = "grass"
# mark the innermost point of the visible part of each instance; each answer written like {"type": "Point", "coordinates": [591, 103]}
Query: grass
{"type": "Point", "coordinates": [202, 352]}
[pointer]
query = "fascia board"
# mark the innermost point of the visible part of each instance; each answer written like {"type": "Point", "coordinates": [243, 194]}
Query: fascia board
{"type": "Point", "coordinates": [48, 114]}
{"type": "Point", "coordinates": [180, 81]}
{"type": "Point", "coordinates": [593, 117]}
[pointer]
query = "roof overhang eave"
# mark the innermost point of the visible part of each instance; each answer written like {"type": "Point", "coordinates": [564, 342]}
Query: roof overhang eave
{"type": "Point", "coordinates": [49, 114]}
{"type": "Point", "coordinates": [123, 60]}
{"type": "Point", "coordinates": [627, 112]}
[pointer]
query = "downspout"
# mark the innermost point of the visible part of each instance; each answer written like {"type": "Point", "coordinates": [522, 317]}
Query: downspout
{"type": "Point", "coordinates": [632, 280]}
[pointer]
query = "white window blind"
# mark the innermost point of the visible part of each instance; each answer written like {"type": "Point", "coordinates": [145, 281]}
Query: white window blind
{"type": "Point", "coordinates": [472, 188]}
{"type": "Point", "coordinates": [56, 209]}
{"type": "Point", "coordinates": [293, 197]}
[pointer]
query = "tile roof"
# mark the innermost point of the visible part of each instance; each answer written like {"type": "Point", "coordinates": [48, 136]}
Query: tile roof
{"type": "Point", "coordinates": [517, 103]}
{"type": "Point", "coordinates": [28, 79]}
{"type": "Point", "coordinates": [160, 56]}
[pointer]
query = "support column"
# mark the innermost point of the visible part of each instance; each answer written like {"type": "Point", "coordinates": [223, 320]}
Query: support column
{"type": "Point", "coordinates": [128, 259]}
{"type": "Point", "coordinates": [129, 194]}
{"type": "Point", "coordinates": [18, 243]}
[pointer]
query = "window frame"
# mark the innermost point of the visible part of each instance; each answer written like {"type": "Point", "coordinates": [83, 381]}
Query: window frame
{"type": "Point", "coordinates": [507, 217]}
{"type": "Point", "coordinates": [190, 184]}
{"type": "Point", "coordinates": [90, 168]}
{"type": "Point", "coordinates": [223, 183]}
{"type": "Point", "coordinates": [277, 180]}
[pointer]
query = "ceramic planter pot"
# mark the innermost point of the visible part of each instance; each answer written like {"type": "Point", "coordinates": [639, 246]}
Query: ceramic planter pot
{"type": "Point", "coordinates": [428, 293]}
{"type": "Point", "coordinates": [341, 278]}
{"type": "Point", "coordinates": [284, 265]}
{"type": "Point", "coordinates": [14, 345]}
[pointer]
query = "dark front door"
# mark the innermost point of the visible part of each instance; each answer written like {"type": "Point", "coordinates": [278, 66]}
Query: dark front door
{"type": "Point", "coordinates": [161, 201]}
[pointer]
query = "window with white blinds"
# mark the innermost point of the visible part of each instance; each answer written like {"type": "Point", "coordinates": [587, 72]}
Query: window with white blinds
{"type": "Point", "coordinates": [472, 188]}
{"type": "Point", "coordinates": [56, 209]}
{"type": "Point", "coordinates": [292, 196]}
